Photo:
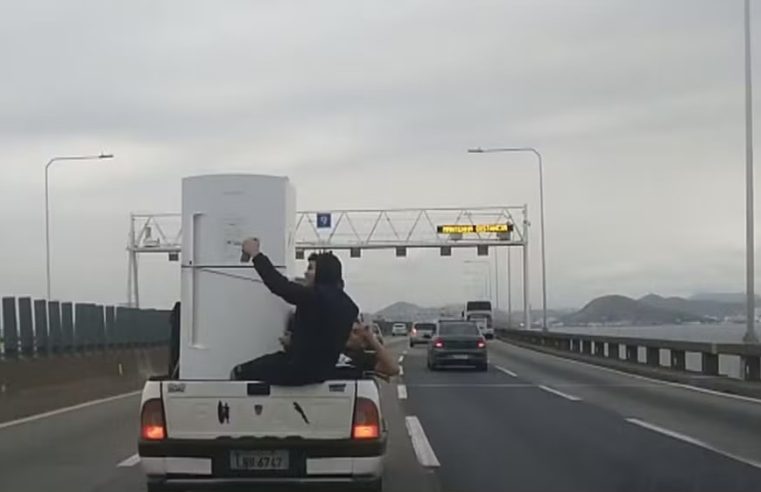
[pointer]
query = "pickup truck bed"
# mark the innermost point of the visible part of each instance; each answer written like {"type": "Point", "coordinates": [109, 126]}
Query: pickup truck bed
{"type": "Point", "coordinates": [199, 434]}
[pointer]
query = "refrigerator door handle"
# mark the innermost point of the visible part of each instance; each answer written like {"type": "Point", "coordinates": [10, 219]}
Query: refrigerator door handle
{"type": "Point", "coordinates": [194, 220]}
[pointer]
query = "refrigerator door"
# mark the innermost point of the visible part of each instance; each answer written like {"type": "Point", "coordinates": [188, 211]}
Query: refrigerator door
{"type": "Point", "coordinates": [228, 316]}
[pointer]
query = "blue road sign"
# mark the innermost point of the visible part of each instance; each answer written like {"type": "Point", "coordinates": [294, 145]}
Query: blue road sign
{"type": "Point", "coordinates": [323, 221]}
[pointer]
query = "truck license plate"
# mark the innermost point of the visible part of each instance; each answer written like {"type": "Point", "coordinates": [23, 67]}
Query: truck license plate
{"type": "Point", "coordinates": [259, 460]}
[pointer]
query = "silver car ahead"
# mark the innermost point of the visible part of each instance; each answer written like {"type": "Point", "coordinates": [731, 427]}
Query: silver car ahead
{"type": "Point", "coordinates": [421, 333]}
{"type": "Point", "coordinates": [399, 329]}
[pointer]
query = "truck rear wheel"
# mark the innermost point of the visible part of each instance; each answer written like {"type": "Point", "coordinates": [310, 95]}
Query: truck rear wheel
{"type": "Point", "coordinates": [374, 486]}
{"type": "Point", "coordinates": [156, 487]}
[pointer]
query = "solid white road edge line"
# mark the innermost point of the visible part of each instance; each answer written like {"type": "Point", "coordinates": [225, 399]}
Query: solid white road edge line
{"type": "Point", "coordinates": [644, 378]}
{"type": "Point", "coordinates": [59, 411]}
{"type": "Point", "coordinates": [506, 371]}
{"type": "Point", "coordinates": [559, 393]}
{"type": "Point", "coordinates": [401, 392]}
{"type": "Point", "coordinates": [691, 440]}
{"type": "Point", "coordinates": [131, 461]}
{"type": "Point", "coordinates": [420, 444]}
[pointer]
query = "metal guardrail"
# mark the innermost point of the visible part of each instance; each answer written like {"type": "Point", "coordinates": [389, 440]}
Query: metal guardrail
{"type": "Point", "coordinates": [611, 348]}
{"type": "Point", "coordinates": [40, 328]}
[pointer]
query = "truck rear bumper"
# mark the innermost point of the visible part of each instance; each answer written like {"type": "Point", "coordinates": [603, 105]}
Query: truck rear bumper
{"type": "Point", "coordinates": [205, 463]}
{"type": "Point", "coordinates": [197, 473]}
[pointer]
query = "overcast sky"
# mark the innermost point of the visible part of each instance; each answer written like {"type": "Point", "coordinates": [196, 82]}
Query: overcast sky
{"type": "Point", "coordinates": [637, 107]}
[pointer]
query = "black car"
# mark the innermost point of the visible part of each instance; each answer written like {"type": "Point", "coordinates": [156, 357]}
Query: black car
{"type": "Point", "coordinates": [457, 343]}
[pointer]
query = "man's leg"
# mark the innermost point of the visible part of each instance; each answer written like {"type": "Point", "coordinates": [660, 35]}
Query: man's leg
{"type": "Point", "coordinates": [262, 368]}
{"type": "Point", "coordinates": [278, 369]}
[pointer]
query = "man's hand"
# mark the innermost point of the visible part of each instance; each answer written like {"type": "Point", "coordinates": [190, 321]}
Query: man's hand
{"type": "Point", "coordinates": [285, 340]}
{"type": "Point", "coordinates": [251, 247]}
{"type": "Point", "coordinates": [366, 334]}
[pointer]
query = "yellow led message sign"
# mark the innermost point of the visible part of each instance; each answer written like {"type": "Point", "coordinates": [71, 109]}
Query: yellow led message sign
{"type": "Point", "coordinates": [473, 228]}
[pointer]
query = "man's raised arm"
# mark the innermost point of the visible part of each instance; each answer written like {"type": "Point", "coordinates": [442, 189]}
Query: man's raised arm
{"type": "Point", "coordinates": [276, 282]}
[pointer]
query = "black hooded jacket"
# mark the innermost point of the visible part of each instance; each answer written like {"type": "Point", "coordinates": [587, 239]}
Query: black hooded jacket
{"type": "Point", "coordinates": [324, 313]}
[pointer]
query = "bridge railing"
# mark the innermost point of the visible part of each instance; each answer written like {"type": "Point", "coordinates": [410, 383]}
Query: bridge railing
{"type": "Point", "coordinates": [672, 354]}
{"type": "Point", "coordinates": [39, 328]}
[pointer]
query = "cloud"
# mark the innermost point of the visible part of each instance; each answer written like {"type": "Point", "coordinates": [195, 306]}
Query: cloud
{"type": "Point", "coordinates": [636, 107]}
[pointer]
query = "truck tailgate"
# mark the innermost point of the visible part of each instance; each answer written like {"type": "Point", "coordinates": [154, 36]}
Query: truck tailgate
{"type": "Point", "coordinates": [214, 409]}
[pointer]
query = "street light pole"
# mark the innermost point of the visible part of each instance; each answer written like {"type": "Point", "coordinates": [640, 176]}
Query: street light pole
{"type": "Point", "coordinates": [538, 155]}
{"type": "Point", "coordinates": [509, 291]}
{"type": "Point", "coordinates": [47, 205]}
{"type": "Point", "coordinates": [750, 303]}
{"type": "Point", "coordinates": [496, 277]}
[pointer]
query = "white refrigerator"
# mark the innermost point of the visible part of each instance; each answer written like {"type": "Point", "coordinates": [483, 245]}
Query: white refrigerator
{"type": "Point", "coordinates": [228, 316]}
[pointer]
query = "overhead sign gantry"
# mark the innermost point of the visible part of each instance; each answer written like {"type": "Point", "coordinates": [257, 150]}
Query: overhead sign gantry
{"type": "Point", "coordinates": [400, 229]}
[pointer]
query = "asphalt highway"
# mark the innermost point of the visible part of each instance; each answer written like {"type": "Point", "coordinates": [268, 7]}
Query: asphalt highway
{"type": "Point", "coordinates": [532, 422]}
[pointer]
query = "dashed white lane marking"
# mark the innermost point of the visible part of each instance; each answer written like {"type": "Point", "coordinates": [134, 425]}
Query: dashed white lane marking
{"type": "Point", "coordinates": [80, 406]}
{"type": "Point", "coordinates": [420, 444]}
{"type": "Point", "coordinates": [401, 392]}
{"type": "Point", "coordinates": [401, 370]}
{"type": "Point", "coordinates": [131, 461]}
{"type": "Point", "coordinates": [559, 393]}
{"type": "Point", "coordinates": [645, 378]}
{"type": "Point", "coordinates": [691, 440]}
{"type": "Point", "coordinates": [401, 358]}
{"type": "Point", "coordinates": [506, 371]}
{"type": "Point", "coordinates": [471, 385]}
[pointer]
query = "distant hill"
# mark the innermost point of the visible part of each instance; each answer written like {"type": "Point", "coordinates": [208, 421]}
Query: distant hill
{"type": "Point", "coordinates": [616, 309]}
{"type": "Point", "coordinates": [724, 297]}
{"type": "Point", "coordinates": [405, 311]}
{"type": "Point", "coordinates": [707, 308]}
{"type": "Point", "coordinates": [651, 309]}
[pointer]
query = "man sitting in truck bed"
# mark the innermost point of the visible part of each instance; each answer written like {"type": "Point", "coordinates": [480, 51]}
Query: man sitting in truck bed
{"type": "Point", "coordinates": [322, 322]}
{"type": "Point", "coordinates": [362, 351]}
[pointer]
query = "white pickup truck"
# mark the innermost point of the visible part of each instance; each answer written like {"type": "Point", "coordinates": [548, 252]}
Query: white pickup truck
{"type": "Point", "coordinates": [202, 430]}
{"type": "Point", "coordinates": [212, 434]}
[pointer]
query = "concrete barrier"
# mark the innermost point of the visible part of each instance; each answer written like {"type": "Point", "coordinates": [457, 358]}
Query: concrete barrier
{"type": "Point", "coordinates": [577, 346]}
{"type": "Point", "coordinates": [55, 354]}
{"type": "Point", "coordinates": [46, 328]}
{"type": "Point", "coordinates": [39, 384]}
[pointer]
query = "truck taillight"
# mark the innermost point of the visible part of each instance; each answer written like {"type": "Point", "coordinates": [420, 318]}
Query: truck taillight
{"type": "Point", "coordinates": [481, 344]}
{"type": "Point", "coordinates": [438, 343]}
{"type": "Point", "coordinates": [366, 420]}
{"type": "Point", "coordinates": [152, 424]}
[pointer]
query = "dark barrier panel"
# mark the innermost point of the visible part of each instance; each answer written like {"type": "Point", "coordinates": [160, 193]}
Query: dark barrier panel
{"type": "Point", "coordinates": [26, 331]}
{"type": "Point", "coordinates": [67, 327]}
{"type": "Point", "coordinates": [110, 327]}
{"type": "Point", "coordinates": [142, 326]}
{"type": "Point", "coordinates": [120, 331]}
{"type": "Point", "coordinates": [100, 327]}
{"type": "Point", "coordinates": [81, 328]}
{"type": "Point", "coordinates": [44, 327]}
{"type": "Point", "coordinates": [55, 337]}
{"type": "Point", "coordinates": [10, 330]}
{"type": "Point", "coordinates": [41, 327]}
{"type": "Point", "coordinates": [164, 327]}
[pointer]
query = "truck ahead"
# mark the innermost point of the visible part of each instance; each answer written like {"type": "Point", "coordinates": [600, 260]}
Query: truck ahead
{"type": "Point", "coordinates": [481, 313]}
